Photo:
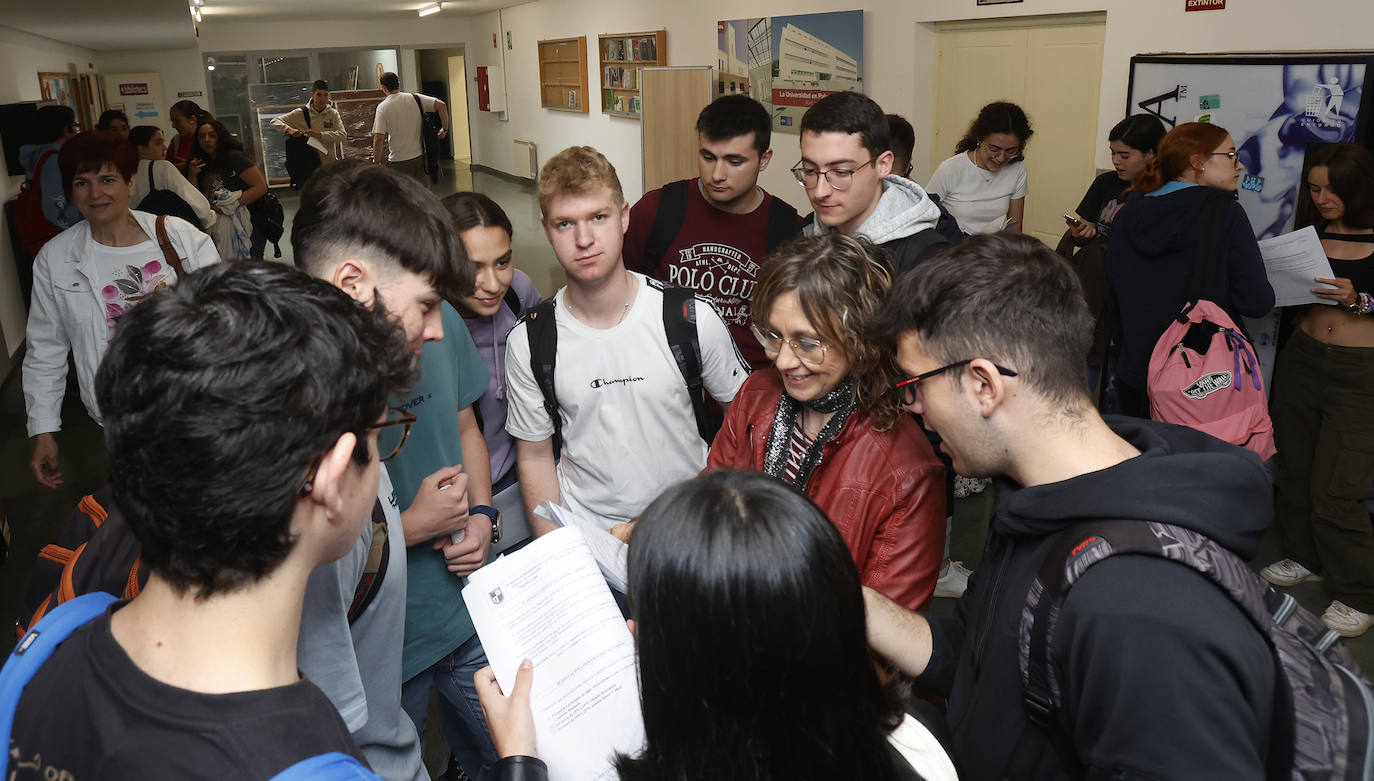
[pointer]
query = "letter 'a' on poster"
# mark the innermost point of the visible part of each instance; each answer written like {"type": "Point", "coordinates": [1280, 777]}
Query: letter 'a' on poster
{"type": "Point", "coordinates": [549, 603]}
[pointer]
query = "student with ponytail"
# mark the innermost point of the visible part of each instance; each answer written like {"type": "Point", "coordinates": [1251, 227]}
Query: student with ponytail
{"type": "Point", "coordinates": [1155, 238]}
{"type": "Point", "coordinates": [825, 419]}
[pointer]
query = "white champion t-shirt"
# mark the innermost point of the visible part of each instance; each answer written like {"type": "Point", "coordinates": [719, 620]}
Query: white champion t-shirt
{"type": "Point", "coordinates": [399, 119]}
{"type": "Point", "coordinates": [976, 197]}
{"type": "Point", "coordinates": [629, 430]}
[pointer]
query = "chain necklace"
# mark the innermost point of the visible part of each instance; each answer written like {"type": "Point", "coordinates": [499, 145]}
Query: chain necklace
{"type": "Point", "coordinates": [624, 310]}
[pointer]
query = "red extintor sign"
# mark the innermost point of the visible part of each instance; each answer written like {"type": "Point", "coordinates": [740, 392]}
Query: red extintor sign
{"type": "Point", "coordinates": [1204, 5]}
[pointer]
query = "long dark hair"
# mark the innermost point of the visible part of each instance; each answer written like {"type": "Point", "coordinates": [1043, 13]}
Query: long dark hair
{"type": "Point", "coordinates": [999, 117]}
{"type": "Point", "coordinates": [752, 653]}
{"type": "Point", "coordinates": [225, 142]}
{"type": "Point", "coordinates": [1350, 170]}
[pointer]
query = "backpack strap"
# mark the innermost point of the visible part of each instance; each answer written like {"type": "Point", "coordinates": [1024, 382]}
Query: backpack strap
{"type": "Point", "coordinates": [542, 329]}
{"type": "Point", "coordinates": [152, 186]}
{"type": "Point", "coordinates": [783, 223]}
{"type": "Point", "coordinates": [1207, 257]}
{"type": "Point", "coordinates": [327, 767]}
{"type": "Point", "coordinates": [305, 112]}
{"type": "Point", "coordinates": [680, 324]}
{"type": "Point", "coordinates": [38, 168]}
{"type": "Point", "coordinates": [164, 241]}
{"type": "Point", "coordinates": [512, 300]}
{"type": "Point", "coordinates": [34, 649]}
{"type": "Point", "coordinates": [374, 569]}
{"type": "Point", "coordinates": [424, 147]}
{"type": "Point", "coordinates": [672, 209]}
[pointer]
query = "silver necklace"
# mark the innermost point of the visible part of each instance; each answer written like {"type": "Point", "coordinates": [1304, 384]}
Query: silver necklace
{"type": "Point", "coordinates": [624, 310]}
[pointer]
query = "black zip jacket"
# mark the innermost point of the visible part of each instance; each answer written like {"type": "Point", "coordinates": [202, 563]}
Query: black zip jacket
{"type": "Point", "coordinates": [1163, 676]}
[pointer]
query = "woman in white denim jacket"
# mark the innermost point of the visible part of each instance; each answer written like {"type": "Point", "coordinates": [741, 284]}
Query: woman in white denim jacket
{"type": "Point", "coordinates": [87, 277]}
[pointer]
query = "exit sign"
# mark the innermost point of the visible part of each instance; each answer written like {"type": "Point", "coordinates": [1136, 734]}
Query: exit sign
{"type": "Point", "coordinates": [1204, 5]}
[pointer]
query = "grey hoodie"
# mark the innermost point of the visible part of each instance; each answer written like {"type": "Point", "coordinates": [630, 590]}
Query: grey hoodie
{"type": "Point", "coordinates": [903, 211]}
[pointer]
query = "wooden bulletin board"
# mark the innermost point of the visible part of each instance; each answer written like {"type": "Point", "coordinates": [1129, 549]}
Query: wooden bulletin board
{"type": "Point", "coordinates": [672, 99]}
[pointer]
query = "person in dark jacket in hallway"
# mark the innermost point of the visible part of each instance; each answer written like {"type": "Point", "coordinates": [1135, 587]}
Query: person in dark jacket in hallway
{"type": "Point", "coordinates": [1154, 239]}
{"type": "Point", "coordinates": [1161, 674]}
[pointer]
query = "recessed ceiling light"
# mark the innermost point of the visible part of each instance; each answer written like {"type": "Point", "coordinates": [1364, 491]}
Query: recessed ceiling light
{"type": "Point", "coordinates": [430, 9]}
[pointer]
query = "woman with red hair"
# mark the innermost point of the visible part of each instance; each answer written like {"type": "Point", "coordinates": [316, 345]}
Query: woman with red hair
{"type": "Point", "coordinates": [1154, 239]}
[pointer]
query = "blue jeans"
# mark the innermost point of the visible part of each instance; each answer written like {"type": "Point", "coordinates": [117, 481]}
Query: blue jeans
{"type": "Point", "coordinates": [460, 714]}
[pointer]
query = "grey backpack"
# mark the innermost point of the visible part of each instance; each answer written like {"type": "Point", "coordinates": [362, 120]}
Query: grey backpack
{"type": "Point", "coordinates": [1323, 729]}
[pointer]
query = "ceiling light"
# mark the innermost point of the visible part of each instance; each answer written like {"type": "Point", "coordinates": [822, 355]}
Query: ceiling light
{"type": "Point", "coordinates": [198, 2]}
{"type": "Point", "coordinates": [430, 9]}
{"type": "Point", "coordinates": [209, 63]}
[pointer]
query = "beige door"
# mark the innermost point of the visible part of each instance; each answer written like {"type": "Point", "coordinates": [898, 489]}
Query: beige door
{"type": "Point", "coordinates": [1049, 66]}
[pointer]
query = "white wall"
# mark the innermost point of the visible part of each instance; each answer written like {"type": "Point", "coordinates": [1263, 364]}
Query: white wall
{"type": "Point", "coordinates": [182, 70]}
{"type": "Point", "coordinates": [22, 56]}
{"type": "Point", "coordinates": [899, 58]}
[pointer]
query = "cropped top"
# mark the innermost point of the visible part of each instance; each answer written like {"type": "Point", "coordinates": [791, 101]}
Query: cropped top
{"type": "Point", "coordinates": [1359, 272]}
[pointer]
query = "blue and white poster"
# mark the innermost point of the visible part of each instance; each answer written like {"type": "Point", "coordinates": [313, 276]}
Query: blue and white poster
{"type": "Point", "coordinates": [1272, 108]}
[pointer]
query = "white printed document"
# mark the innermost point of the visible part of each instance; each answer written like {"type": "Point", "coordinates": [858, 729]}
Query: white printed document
{"type": "Point", "coordinates": [1292, 261]}
{"type": "Point", "coordinates": [548, 603]}
{"type": "Point", "coordinates": [611, 554]}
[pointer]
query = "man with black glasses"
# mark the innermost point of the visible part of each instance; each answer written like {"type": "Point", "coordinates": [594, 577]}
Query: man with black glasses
{"type": "Point", "coordinates": [1144, 669]}
{"type": "Point", "coordinates": [846, 168]}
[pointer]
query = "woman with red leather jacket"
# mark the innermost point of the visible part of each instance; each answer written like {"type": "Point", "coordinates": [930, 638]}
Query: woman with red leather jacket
{"type": "Point", "coordinates": [825, 420]}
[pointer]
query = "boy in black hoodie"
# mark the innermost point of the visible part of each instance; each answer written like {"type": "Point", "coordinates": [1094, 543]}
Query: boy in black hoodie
{"type": "Point", "coordinates": [1162, 675]}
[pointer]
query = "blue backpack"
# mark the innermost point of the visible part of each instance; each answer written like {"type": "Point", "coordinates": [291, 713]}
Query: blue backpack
{"type": "Point", "coordinates": [42, 640]}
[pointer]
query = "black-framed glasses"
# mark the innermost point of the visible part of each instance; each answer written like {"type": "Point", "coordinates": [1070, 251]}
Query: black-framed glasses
{"type": "Point", "coordinates": [1233, 154]}
{"type": "Point", "coordinates": [1011, 154]}
{"type": "Point", "coordinates": [906, 389]}
{"type": "Point", "coordinates": [839, 178]}
{"type": "Point", "coordinates": [809, 351]}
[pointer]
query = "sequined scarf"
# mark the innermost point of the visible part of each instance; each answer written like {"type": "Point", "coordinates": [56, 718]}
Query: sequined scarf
{"type": "Point", "coordinates": [840, 401]}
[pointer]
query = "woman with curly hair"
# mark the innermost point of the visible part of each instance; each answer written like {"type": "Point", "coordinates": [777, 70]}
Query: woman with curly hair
{"type": "Point", "coordinates": [825, 420]}
{"type": "Point", "coordinates": [984, 184]}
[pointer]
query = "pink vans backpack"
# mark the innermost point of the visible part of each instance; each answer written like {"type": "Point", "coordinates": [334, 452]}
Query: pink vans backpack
{"type": "Point", "coordinates": [1204, 372]}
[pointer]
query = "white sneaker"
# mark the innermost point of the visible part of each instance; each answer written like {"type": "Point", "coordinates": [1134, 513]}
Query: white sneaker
{"type": "Point", "coordinates": [1286, 572]}
{"type": "Point", "coordinates": [1346, 620]}
{"type": "Point", "coordinates": [953, 580]}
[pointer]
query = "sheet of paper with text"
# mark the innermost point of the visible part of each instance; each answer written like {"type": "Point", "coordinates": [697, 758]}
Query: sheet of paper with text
{"type": "Point", "coordinates": [549, 603]}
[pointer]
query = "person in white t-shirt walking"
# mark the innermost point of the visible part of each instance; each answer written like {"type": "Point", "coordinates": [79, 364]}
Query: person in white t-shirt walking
{"type": "Point", "coordinates": [984, 184]}
{"type": "Point", "coordinates": [626, 419]}
{"type": "Point", "coordinates": [398, 123]}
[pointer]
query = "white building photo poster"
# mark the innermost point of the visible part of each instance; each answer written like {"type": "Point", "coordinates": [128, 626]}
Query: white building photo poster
{"type": "Point", "coordinates": [788, 63]}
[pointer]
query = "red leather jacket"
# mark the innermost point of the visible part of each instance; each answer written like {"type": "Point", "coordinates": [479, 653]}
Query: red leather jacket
{"type": "Point", "coordinates": [884, 491]}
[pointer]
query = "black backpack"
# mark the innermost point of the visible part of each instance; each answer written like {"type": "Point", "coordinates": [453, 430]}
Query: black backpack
{"type": "Point", "coordinates": [301, 159]}
{"type": "Point", "coordinates": [680, 323]}
{"type": "Point", "coordinates": [166, 202]}
{"type": "Point", "coordinates": [1324, 715]}
{"type": "Point", "coordinates": [783, 224]}
{"type": "Point", "coordinates": [429, 142]}
{"type": "Point", "coordinates": [269, 217]}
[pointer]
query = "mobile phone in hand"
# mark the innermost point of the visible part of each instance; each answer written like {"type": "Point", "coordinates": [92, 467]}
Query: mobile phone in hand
{"type": "Point", "coordinates": [1072, 220]}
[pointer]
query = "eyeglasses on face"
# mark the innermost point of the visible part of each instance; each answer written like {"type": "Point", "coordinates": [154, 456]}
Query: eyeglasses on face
{"type": "Point", "coordinates": [906, 389]}
{"type": "Point", "coordinates": [1233, 154]}
{"type": "Point", "coordinates": [838, 178]}
{"type": "Point", "coordinates": [809, 351]}
{"type": "Point", "coordinates": [392, 437]}
{"type": "Point", "coordinates": [1009, 154]}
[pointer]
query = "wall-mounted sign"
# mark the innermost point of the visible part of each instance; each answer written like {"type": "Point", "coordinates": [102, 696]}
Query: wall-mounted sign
{"type": "Point", "coordinates": [195, 93]}
{"type": "Point", "coordinates": [1201, 5]}
{"type": "Point", "coordinates": [997, 2]}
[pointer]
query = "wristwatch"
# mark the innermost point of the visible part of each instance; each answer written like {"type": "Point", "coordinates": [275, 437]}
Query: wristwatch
{"type": "Point", "coordinates": [497, 523]}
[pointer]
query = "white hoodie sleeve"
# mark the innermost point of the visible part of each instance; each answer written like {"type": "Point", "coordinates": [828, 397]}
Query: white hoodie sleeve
{"type": "Point", "coordinates": [167, 177]}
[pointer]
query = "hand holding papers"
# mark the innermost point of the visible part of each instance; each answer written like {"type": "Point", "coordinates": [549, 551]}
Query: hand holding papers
{"type": "Point", "coordinates": [549, 603]}
{"type": "Point", "coordinates": [1293, 261]}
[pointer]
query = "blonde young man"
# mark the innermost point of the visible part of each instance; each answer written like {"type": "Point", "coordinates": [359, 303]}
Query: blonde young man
{"type": "Point", "coordinates": [626, 420]}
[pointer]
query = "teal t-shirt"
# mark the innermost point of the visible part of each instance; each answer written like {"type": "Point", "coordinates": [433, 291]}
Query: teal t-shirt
{"type": "Point", "coordinates": [452, 377]}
